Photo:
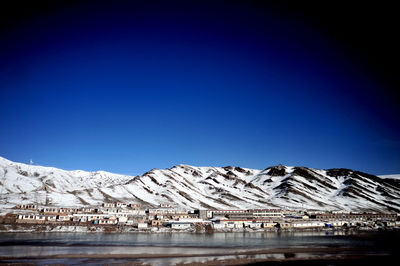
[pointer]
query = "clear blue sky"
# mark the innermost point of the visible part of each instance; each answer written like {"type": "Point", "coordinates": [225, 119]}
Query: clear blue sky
{"type": "Point", "coordinates": [131, 87]}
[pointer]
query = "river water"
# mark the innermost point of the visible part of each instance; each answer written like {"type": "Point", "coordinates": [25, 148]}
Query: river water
{"type": "Point", "coordinates": [173, 248]}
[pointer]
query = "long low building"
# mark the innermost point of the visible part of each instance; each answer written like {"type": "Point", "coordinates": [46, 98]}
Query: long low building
{"type": "Point", "coordinates": [31, 218]}
{"type": "Point", "coordinates": [357, 216]}
{"type": "Point", "coordinates": [180, 225]}
{"type": "Point", "coordinates": [238, 223]}
{"type": "Point", "coordinates": [185, 223]}
{"type": "Point", "coordinates": [124, 212]}
{"type": "Point", "coordinates": [249, 214]}
{"type": "Point", "coordinates": [84, 217]}
{"type": "Point", "coordinates": [267, 213]}
{"type": "Point", "coordinates": [308, 224]}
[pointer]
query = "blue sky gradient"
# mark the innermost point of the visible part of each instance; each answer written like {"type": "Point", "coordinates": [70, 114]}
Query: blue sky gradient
{"type": "Point", "coordinates": [131, 87]}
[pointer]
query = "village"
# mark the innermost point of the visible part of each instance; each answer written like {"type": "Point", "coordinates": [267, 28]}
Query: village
{"type": "Point", "coordinates": [166, 216]}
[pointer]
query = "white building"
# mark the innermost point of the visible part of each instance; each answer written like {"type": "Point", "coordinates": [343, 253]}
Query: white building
{"type": "Point", "coordinates": [51, 210]}
{"type": "Point", "coordinates": [121, 205]}
{"type": "Point", "coordinates": [64, 218]}
{"type": "Point", "coordinates": [308, 224]}
{"type": "Point", "coordinates": [255, 225]}
{"type": "Point", "coordinates": [143, 225]}
{"type": "Point", "coordinates": [338, 223]}
{"type": "Point", "coordinates": [122, 219]}
{"type": "Point", "coordinates": [27, 206]}
{"type": "Point", "coordinates": [107, 221]}
{"type": "Point", "coordinates": [87, 217]}
{"type": "Point", "coordinates": [51, 218]}
{"type": "Point", "coordinates": [218, 226]}
{"type": "Point", "coordinates": [123, 212]}
{"type": "Point", "coordinates": [180, 225]}
{"type": "Point", "coordinates": [31, 218]}
{"type": "Point", "coordinates": [264, 213]}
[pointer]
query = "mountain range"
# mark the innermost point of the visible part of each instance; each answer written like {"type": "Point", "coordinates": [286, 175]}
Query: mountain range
{"type": "Point", "coordinates": [191, 187]}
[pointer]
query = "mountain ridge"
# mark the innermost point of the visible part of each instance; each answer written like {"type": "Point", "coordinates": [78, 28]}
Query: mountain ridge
{"type": "Point", "coordinates": [202, 187]}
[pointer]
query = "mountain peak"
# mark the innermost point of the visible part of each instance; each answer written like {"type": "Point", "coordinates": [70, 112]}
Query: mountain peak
{"type": "Point", "coordinates": [278, 170]}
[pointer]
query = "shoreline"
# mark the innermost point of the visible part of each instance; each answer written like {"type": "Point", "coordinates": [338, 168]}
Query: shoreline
{"type": "Point", "coordinates": [49, 228]}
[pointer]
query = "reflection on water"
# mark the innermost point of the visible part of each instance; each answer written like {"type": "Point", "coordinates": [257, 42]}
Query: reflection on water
{"type": "Point", "coordinates": [200, 246]}
{"type": "Point", "coordinates": [238, 239]}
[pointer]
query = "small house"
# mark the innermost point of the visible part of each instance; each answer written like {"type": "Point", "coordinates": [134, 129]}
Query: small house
{"type": "Point", "coordinates": [49, 210]}
{"type": "Point", "coordinates": [40, 218]}
{"type": "Point", "coordinates": [121, 205]}
{"type": "Point", "coordinates": [51, 218]}
{"type": "Point", "coordinates": [142, 225]}
{"type": "Point", "coordinates": [122, 219]}
{"type": "Point", "coordinates": [269, 224]}
{"type": "Point", "coordinates": [218, 226]}
{"type": "Point", "coordinates": [255, 225]}
{"type": "Point", "coordinates": [135, 206]}
{"type": "Point", "coordinates": [285, 225]}
{"type": "Point", "coordinates": [64, 218]}
{"type": "Point", "coordinates": [27, 218]}
{"type": "Point", "coordinates": [156, 223]}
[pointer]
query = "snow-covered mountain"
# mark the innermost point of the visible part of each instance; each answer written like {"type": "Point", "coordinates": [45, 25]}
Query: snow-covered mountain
{"type": "Point", "coordinates": [389, 176]}
{"type": "Point", "coordinates": [202, 187]}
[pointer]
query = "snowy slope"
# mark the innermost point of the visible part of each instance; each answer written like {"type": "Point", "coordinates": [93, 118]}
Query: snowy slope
{"type": "Point", "coordinates": [30, 183]}
{"type": "Point", "coordinates": [390, 176]}
{"type": "Point", "coordinates": [202, 187]}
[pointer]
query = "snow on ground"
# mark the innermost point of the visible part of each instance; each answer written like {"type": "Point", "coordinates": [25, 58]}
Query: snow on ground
{"type": "Point", "coordinates": [397, 176]}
